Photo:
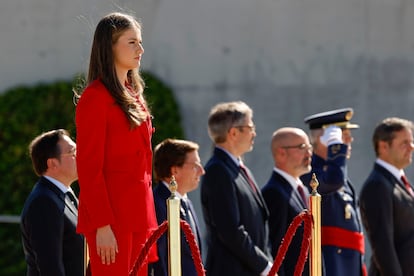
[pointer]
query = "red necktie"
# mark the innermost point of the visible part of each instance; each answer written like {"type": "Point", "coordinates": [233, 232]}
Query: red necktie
{"type": "Point", "coordinates": [249, 179]}
{"type": "Point", "coordinates": [302, 195]}
{"type": "Point", "coordinates": [407, 185]}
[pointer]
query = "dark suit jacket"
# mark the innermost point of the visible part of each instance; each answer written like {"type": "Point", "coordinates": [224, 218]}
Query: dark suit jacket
{"type": "Point", "coordinates": [160, 268]}
{"type": "Point", "coordinates": [50, 242]}
{"type": "Point", "coordinates": [388, 216]}
{"type": "Point", "coordinates": [284, 205]}
{"type": "Point", "coordinates": [236, 220]}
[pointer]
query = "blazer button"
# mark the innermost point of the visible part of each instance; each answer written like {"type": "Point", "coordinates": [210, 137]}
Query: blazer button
{"type": "Point", "coordinates": [339, 251]}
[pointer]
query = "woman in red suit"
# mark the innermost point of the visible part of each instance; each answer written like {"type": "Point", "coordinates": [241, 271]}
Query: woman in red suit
{"type": "Point", "coordinates": [114, 156]}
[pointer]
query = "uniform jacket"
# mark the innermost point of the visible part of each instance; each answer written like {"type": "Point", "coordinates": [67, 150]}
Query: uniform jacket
{"type": "Point", "coordinates": [114, 166]}
{"type": "Point", "coordinates": [338, 200]}
{"type": "Point", "coordinates": [236, 220]}
{"type": "Point", "coordinates": [50, 242]}
{"type": "Point", "coordinates": [284, 205]}
{"type": "Point", "coordinates": [160, 268]}
{"type": "Point", "coordinates": [388, 215]}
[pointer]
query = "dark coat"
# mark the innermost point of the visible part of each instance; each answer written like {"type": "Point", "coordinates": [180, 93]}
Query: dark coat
{"type": "Point", "coordinates": [338, 197]}
{"type": "Point", "coordinates": [236, 220]}
{"type": "Point", "coordinates": [388, 215]}
{"type": "Point", "coordinates": [284, 205]}
{"type": "Point", "coordinates": [50, 242]}
{"type": "Point", "coordinates": [160, 268]}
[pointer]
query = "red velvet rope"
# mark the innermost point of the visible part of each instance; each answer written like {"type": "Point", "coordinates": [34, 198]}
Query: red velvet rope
{"type": "Point", "coordinates": [306, 217]}
{"type": "Point", "coordinates": [195, 251]}
{"type": "Point", "coordinates": [157, 233]}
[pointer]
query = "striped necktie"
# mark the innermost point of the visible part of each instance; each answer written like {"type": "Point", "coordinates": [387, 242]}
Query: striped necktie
{"type": "Point", "coordinates": [72, 198]}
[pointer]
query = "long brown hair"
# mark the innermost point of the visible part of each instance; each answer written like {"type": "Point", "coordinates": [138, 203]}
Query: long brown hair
{"type": "Point", "coordinates": [102, 66]}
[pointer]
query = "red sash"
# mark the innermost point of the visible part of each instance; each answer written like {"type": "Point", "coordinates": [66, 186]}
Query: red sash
{"type": "Point", "coordinates": [336, 236]}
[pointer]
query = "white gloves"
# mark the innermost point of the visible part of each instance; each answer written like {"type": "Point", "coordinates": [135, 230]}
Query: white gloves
{"type": "Point", "coordinates": [331, 135]}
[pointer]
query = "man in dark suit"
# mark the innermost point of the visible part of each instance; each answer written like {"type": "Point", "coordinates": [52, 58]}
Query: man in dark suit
{"type": "Point", "coordinates": [341, 232]}
{"type": "Point", "coordinates": [178, 158]}
{"type": "Point", "coordinates": [49, 217]}
{"type": "Point", "coordinates": [234, 210]}
{"type": "Point", "coordinates": [285, 194]}
{"type": "Point", "coordinates": [387, 200]}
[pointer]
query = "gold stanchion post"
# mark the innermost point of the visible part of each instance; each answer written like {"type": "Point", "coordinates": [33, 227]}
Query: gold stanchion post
{"type": "Point", "coordinates": [316, 249]}
{"type": "Point", "coordinates": [174, 243]}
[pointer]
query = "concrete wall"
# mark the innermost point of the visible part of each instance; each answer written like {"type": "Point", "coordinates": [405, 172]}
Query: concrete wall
{"type": "Point", "coordinates": [286, 58]}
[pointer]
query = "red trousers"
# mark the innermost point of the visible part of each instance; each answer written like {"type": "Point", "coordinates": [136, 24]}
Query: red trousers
{"type": "Point", "coordinates": [128, 249]}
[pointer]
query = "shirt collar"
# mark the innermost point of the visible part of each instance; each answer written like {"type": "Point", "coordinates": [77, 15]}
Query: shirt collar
{"type": "Point", "coordinates": [294, 182]}
{"type": "Point", "coordinates": [236, 160]}
{"type": "Point", "coordinates": [58, 184]}
{"type": "Point", "coordinates": [392, 169]}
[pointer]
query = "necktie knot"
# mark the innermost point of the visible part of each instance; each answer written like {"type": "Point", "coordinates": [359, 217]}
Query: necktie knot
{"type": "Point", "coordinates": [72, 198]}
{"type": "Point", "coordinates": [184, 203]}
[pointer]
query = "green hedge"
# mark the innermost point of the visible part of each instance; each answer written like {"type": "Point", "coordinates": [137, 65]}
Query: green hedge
{"type": "Point", "coordinates": [28, 111]}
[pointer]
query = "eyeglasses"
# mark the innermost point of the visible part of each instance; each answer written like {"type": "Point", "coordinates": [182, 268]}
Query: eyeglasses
{"type": "Point", "coordinates": [71, 152]}
{"type": "Point", "coordinates": [251, 127]}
{"type": "Point", "coordinates": [300, 147]}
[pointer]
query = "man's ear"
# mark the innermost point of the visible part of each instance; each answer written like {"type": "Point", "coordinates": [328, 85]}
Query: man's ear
{"type": "Point", "coordinates": [174, 171]}
{"type": "Point", "coordinates": [52, 163]}
{"type": "Point", "coordinates": [281, 151]}
{"type": "Point", "coordinates": [232, 132]}
{"type": "Point", "coordinates": [383, 146]}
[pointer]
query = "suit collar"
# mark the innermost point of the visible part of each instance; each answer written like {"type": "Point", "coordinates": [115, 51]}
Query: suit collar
{"type": "Point", "coordinates": [391, 177]}
{"type": "Point", "coordinates": [386, 172]}
{"type": "Point", "coordinates": [225, 157]}
{"type": "Point", "coordinates": [51, 186]}
{"type": "Point", "coordinates": [43, 181]}
{"type": "Point", "coordinates": [57, 183]}
{"type": "Point", "coordinates": [291, 192]}
{"type": "Point", "coordinates": [290, 179]}
{"type": "Point", "coordinates": [235, 169]}
{"type": "Point", "coordinates": [390, 168]}
{"type": "Point", "coordinates": [162, 190]}
{"type": "Point", "coordinates": [235, 159]}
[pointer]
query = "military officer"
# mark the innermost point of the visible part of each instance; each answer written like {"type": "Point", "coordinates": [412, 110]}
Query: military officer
{"type": "Point", "coordinates": [342, 237]}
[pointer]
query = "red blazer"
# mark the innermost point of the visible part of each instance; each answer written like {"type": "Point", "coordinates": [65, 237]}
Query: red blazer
{"type": "Point", "coordinates": [114, 166]}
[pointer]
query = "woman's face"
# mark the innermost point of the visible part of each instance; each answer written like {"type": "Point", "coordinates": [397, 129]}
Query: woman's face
{"type": "Point", "coordinates": [128, 50]}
